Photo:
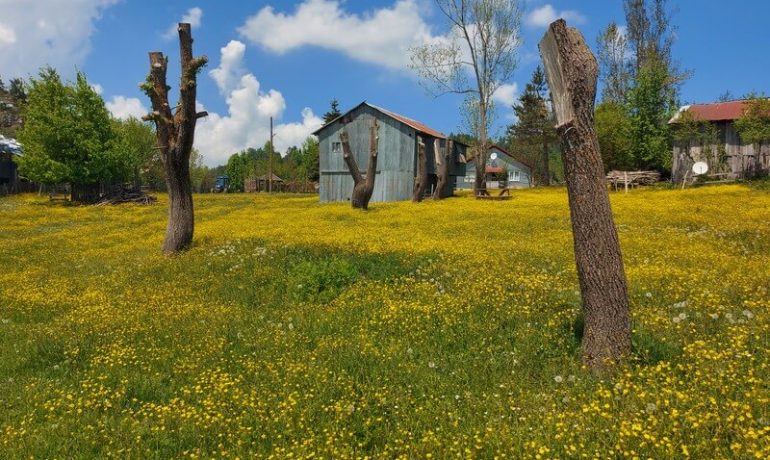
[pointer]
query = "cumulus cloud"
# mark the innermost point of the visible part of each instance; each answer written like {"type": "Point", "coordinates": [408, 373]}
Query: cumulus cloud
{"type": "Point", "coordinates": [506, 94]}
{"type": "Point", "coordinates": [122, 107]}
{"type": "Point", "coordinates": [546, 14]}
{"type": "Point", "coordinates": [41, 32]}
{"type": "Point", "coordinates": [193, 17]}
{"type": "Point", "coordinates": [381, 37]}
{"type": "Point", "coordinates": [247, 122]}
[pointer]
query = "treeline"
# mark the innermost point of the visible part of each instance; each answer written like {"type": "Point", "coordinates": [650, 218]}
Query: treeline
{"type": "Point", "coordinates": [640, 94]}
{"type": "Point", "coordinates": [299, 164]}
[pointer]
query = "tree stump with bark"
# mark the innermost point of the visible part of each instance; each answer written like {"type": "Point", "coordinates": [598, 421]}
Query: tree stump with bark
{"type": "Point", "coordinates": [421, 180]}
{"type": "Point", "coordinates": [572, 72]}
{"type": "Point", "coordinates": [363, 186]}
{"type": "Point", "coordinates": [175, 133]}
{"type": "Point", "coordinates": [442, 167]}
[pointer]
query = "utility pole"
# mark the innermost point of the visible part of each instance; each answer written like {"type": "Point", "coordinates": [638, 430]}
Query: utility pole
{"type": "Point", "coordinates": [270, 161]}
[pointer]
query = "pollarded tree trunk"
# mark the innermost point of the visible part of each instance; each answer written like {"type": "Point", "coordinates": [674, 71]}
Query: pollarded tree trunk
{"type": "Point", "coordinates": [442, 168]}
{"type": "Point", "coordinates": [546, 168]}
{"type": "Point", "coordinates": [572, 72]}
{"type": "Point", "coordinates": [175, 133]}
{"type": "Point", "coordinates": [421, 180]}
{"type": "Point", "coordinates": [363, 186]}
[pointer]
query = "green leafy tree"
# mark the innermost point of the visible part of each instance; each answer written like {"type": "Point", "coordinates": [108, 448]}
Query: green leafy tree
{"type": "Point", "coordinates": [135, 147]}
{"type": "Point", "coordinates": [310, 159]}
{"type": "Point", "coordinates": [613, 128]}
{"type": "Point", "coordinates": [67, 135]}
{"type": "Point", "coordinates": [754, 127]}
{"type": "Point", "coordinates": [652, 102]}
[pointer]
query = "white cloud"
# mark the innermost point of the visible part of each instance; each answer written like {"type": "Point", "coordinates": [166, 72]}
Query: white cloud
{"type": "Point", "coordinates": [381, 37]}
{"type": "Point", "coordinates": [98, 88]}
{"type": "Point", "coordinates": [7, 34]}
{"type": "Point", "coordinates": [193, 17]}
{"type": "Point", "coordinates": [506, 94]}
{"type": "Point", "coordinates": [546, 14]}
{"type": "Point", "coordinates": [247, 123]}
{"type": "Point", "coordinates": [126, 107]}
{"type": "Point", "coordinates": [46, 32]}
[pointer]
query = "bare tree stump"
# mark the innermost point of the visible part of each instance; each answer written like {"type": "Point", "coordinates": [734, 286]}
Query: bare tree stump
{"type": "Point", "coordinates": [421, 180]}
{"type": "Point", "coordinates": [363, 186]}
{"type": "Point", "coordinates": [442, 168]}
{"type": "Point", "coordinates": [572, 72]}
{"type": "Point", "coordinates": [175, 134]}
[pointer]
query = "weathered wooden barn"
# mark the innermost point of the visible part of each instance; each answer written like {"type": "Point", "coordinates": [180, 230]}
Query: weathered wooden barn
{"type": "Point", "coordinates": [397, 154]}
{"type": "Point", "coordinates": [728, 155]}
{"type": "Point", "coordinates": [519, 173]}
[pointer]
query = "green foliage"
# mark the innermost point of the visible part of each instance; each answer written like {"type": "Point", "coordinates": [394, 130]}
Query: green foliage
{"type": "Point", "coordinates": [321, 280]}
{"type": "Point", "coordinates": [754, 125]}
{"type": "Point", "coordinates": [334, 111]}
{"type": "Point", "coordinates": [67, 135]}
{"type": "Point", "coordinates": [652, 102]}
{"type": "Point", "coordinates": [134, 149]}
{"type": "Point", "coordinates": [533, 134]}
{"type": "Point", "coordinates": [613, 128]}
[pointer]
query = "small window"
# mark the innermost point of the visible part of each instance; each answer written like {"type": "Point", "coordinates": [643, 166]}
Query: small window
{"type": "Point", "coordinates": [514, 176]}
{"type": "Point", "coordinates": [336, 147]}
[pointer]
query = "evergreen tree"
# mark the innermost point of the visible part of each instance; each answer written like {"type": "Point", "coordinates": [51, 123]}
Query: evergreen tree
{"type": "Point", "coordinates": [333, 112]}
{"type": "Point", "coordinates": [534, 132]}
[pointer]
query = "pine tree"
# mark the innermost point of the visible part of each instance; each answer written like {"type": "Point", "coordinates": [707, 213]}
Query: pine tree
{"type": "Point", "coordinates": [333, 112]}
{"type": "Point", "coordinates": [534, 133]}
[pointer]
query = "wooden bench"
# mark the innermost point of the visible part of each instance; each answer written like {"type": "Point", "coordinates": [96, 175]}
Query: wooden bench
{"type": "Point", "coordinates": [483, 194]}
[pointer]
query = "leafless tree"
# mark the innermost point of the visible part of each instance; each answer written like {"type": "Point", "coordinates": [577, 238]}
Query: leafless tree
{"type": "Point", "coordinates": [572, 74]}
{"type": "Point", "coordinates": [363, 186]}
{"type": "Point", "coordinates": [477, 56]}
{"type": "Point", "coordinates": [175, 133]}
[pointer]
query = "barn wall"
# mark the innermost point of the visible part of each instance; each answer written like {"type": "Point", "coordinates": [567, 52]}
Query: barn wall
{"type": "Point", "coordinates": [729, 156]}
{"type": "Point", "coordinates": [395, 163]}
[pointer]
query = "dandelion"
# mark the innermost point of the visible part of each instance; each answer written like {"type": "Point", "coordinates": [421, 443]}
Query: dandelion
{"type": "Point", "coordinates": [431, 365]}
{"type": "Point", "coordinates": [558, 379]}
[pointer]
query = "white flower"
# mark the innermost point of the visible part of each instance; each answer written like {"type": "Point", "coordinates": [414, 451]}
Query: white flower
{"type": "Point", "coordinates": [648, 294]}
{"type": "Point", "coordinates": [714, 315]}
{"type": "Point", "coordinates": [651, 407]}
{"type": "Point", "coordinates": [432, 365]}
{"type": "Point", "coordinates": [682, 316]}
{"type": "Point", "coordinates": [748, 314]}
{"type": "Point", "coordinates": [558, 379]}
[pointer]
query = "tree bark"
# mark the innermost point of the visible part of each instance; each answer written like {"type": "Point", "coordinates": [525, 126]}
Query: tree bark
{"type": "Point", "coordinates": [483, 150]}
{"type": "Point", "coordinates": [546, 168]}
{"type": "Point", "coordinates": [421, 180]}
{"type": "Point", "coordinates": [572, 72]}
{"type": "Point", "coordinates": [363, 186]}
{"type": "Point", "coordinates": [442, 168]}
{"type": "Point", "coordinates": [175, 134]}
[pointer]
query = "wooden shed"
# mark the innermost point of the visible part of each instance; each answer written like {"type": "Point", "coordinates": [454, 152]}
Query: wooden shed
{"type": "Point", "coordinates": [397, 160]}
{"type": "Point", "coordinates": [518, 173]}
{"type": "Point", "coordinates": [729, 155]}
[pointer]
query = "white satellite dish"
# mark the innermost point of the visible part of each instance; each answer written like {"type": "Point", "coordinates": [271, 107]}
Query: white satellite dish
{"type": "Point", "coordinates": [701, 167]}
{"type": "Point", "coordinates": [493, 156]}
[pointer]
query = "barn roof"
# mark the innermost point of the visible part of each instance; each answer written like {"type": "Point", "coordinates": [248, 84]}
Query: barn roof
{"type": "Point", "coordinates": [416, 125]}
{"type": "Point", "coordinates": [511, 155]}
{"type": "Point", "coordinates": [718, 111]}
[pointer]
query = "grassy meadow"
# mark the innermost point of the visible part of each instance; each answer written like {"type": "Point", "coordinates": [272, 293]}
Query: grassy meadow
{"type": "Point", "coordinates": [295, 329]}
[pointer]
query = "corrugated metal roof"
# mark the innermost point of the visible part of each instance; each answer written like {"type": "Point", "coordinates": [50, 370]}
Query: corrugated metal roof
{"type": "Point", "coordinates": [416, 125]}
{"type": "Point", "coordinates": [409, 122]}
{"type": "Point", "coordinates": [718, 111]}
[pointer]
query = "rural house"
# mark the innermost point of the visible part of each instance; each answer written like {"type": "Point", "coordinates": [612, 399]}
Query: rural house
{"type": "Point", "coordinates": [725, 153]}
{"type": "Point", "coordinates": [517, 173]}
{"type": "Point", "coordinates": [397, 155]}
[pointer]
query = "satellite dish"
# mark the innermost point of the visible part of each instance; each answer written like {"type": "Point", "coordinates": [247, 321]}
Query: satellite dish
{"type": "Point", "coordinates": [493, 156]}
{"type": "Point", "coordinates": [700, 167]}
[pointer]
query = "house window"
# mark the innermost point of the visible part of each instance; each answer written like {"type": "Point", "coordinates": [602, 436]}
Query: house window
{"type": "Point", "coordinates": [336, 147]}
{"type": "Point", "coordinates": [514, 176]}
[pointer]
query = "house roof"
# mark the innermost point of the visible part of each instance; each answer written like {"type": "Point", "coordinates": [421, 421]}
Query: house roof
{"type": "Point", "coordinates": [718, 111]}
{"type": "Point", "coordinates": [511, 155]}
{"type": "Point", "coordinates": [266, 177]}
{"type": "Point", "coordinates": [416, 125]}
{"type": "Point", "coordinates": [8, 145]}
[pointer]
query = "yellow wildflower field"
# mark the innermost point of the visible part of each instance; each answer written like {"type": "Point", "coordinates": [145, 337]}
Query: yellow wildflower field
{"type": "Point", "coordinates": [294, 329]}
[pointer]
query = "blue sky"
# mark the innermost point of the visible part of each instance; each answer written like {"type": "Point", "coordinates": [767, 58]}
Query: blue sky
{"type": "Point", "coordinates": [289, 58]}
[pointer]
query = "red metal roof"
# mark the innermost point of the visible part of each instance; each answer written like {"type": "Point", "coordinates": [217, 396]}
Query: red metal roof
{"type": "Point", "coordinates": [413, 123]}
{"type": "Point", "coordinates": [719, 111]}
{"type": "Point", "coordinates": [494, 169]}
